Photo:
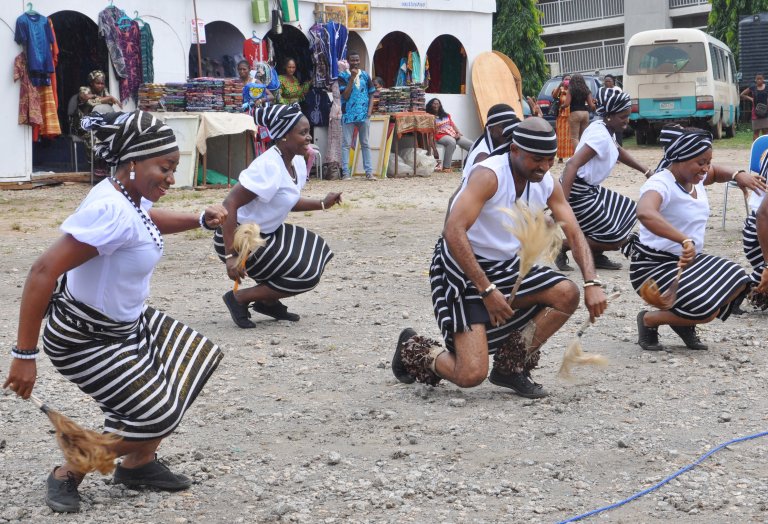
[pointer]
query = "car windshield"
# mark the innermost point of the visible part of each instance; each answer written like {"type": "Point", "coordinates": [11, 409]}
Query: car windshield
{"type": "Point", "coordinates": [666, 58]}
{"type": "Point", "coordinates": [552, 83]}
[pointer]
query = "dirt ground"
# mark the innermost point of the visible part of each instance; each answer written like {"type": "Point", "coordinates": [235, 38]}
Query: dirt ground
{"type": "Point", "coordinates": [304, 422]}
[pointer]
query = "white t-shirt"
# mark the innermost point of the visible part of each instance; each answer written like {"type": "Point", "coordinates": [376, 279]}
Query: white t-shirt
{"type": "Point", "coordinates": [117, 281]}
{"type": "Point", "coordinates": [276, 192]}
{"type": "Point", "coordinates": [687, 214]}
{"type": "Point", "coordinates": [482, 147]}
{"type": "Point", "coordinates": [755, 199]}
{"type": "Point", "coordinates": [488, 236]}
{"type": "Point", "coordinates": [600, 140]}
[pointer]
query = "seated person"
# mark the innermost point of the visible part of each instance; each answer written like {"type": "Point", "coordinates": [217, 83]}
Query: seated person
{"type": "Point", "coordinates": [446, 133]}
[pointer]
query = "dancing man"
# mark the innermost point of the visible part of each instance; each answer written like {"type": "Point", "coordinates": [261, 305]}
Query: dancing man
{"type": "Point", "coordinates": [475, 265]}
{"type": "Point", "coordinates": [142, 367]}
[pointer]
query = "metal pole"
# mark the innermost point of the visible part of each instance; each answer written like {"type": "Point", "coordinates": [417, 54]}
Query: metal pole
{"type": "Point", "coordinates": [199, 54]}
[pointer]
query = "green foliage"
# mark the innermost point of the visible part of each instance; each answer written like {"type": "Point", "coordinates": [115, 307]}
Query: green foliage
{"type": "Point", "coordinates": [517, 34]}
{"type": "Point", "coordinates": [723, 22]}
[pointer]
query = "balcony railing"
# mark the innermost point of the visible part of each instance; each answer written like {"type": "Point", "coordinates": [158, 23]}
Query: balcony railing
{"type": "Point", "coordinates": [587, 57]}
{"type": "Point", "coordinates": [686, 3]}
{"type": "Point", "coordinates": [563, 12]}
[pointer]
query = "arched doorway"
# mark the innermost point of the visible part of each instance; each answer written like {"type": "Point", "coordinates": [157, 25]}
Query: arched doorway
{"type": "Point", "coordinates": [356, 43]}
{"type": "Point", "coordinates": [221, 52]}
{"type": "Point", "coordinates": [291, 43]}
{"type": "Point", "coordinates": [390, 53]}
{"type": "Point", "coordinates": [447, 62]}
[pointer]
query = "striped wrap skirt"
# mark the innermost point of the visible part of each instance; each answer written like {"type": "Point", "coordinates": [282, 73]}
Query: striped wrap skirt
{"type": "Point", "coordinates": [292, 261]}
{"type": "Point", "coordinates": [705, 285]}
{"type": "Point", "coordinates": [144, 374]}
{"type": "Point", "coordinates": [457, 302]}
{"type": "Point", "coordinates": [752, 248]}
{"type": "Point", "coordinates": [604, 216]}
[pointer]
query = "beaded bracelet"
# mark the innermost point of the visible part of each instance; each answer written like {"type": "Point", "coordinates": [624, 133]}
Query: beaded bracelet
{"type": "Point", "coordinates": [24, 354]}
{"type": "Point", "coordinates": [203, 224]}
{"type": "Point", "coordinates": [684, 242]}
{"type": "Point", "coordinates": [590, 283]}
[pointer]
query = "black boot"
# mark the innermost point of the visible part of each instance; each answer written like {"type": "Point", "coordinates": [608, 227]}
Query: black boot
{"type": "Point", "coordinates": [561, 260]}
{"type": "Point", "coordinates": [647, 337]}
{"type": "Point", "coordinates": [689, 336]}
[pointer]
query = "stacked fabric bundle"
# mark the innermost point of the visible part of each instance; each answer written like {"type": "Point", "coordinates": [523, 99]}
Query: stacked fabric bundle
{"type": "Point", "coordinates": [205, 94]}
{"type": "Point", "coordinates": [150, 96]}
{"type": "Point", "coordinates": [233, 95]}
{"type": "Point", "coordinates": [395, 100]}
{"type": "Point", "coordinates": [174, 97]}
{"type": "Point", "coordinates": [418, 98]}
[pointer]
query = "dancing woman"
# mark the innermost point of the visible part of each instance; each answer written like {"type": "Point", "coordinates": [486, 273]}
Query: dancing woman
{"type": "Point", "coordinates": [143, 368]}
{"type": "Point", "coordinates": [605, 217]}
{"type": "Point", "coordinates": [673, 210]}
{"type": "Point", "coordinates": [294, 258]}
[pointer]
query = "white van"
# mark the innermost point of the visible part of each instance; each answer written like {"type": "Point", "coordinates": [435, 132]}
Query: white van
{"type": "Point", "coordinates": [680, 76]}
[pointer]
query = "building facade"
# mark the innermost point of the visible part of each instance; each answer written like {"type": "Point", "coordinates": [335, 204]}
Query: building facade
{"type": "Point", "coordinates": [588, 36]}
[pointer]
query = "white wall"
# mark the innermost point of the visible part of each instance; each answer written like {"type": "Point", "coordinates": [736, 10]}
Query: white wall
{"type": "Point", "coordinates": [171, 19]}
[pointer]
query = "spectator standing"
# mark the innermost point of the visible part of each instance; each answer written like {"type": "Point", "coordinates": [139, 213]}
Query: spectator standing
{"type": "Point", "coordinates": [758, 95]}
{"type": "Point", "coordinates": [356, 90]}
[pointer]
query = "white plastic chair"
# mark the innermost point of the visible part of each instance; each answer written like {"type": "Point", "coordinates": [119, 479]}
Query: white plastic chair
{"type": "Point", "coordinates": [757, 151]}
{"type": "Point", "coordinates": [318, 161]}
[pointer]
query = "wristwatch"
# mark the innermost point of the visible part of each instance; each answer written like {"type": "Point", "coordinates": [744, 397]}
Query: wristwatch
{"type": "Point", "coordinates": [488, 291]}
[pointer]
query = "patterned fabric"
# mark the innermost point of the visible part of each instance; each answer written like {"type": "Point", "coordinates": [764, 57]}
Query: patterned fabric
{"type": "Point", "coordinates": [333, 151]}
{"type": "Point", "coordinates": [292, 261]}
{"type": "Point", "coordinates": [50, 127]}
{"type": "Point", "coordinates": [603, 215]}
{"type": "Point", "coordinates": [130, 43]}
{"type": "Point", "coordinates": [704, 287]}
{"type": "Point", "coordinates": [291, 90]}
{"type": "Point", "coordinates": [147, 54]}
{"type": "Point", "coordinates": [611, 100]}
{"type": "Point", "coordinates": [688, 145]}
{"type": "Point", "coordinates": [458, 305]}
{"type": "Point", "coordinates": [536, 142]}
{"type": "Point", "coordinates": [337, 47]}
{"type": "Point", "coordinates": [129, 136]}
{"type": "Point", "coordinates": [356, 106]}
{"type": "Point", "coordinates": [752, 248]}
{"type": "Point", "coordinates": [414, 122]}
{"type": "Point", "coordinates": [144, 374]}
{"type": "Point", "coordinates": [30, 112]}
{"type": "Point", "coordinates": [445, 127]}
{"type": "Point", "coordinates": [278, 119]}
{"type": "Point", "coordinates": [565, 146]}
{"type": "Point", "coordinates": [668, 134]}
{"type": "Point", "coordinates": [499, 114]}
{"type": "Point", "coordinates": [109, 31]}
{"type": "Point", "coordinates": [318, 44]}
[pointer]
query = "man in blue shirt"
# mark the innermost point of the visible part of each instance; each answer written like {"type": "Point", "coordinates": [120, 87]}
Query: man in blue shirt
{"type": "Point", "coordinates": [356, 90]}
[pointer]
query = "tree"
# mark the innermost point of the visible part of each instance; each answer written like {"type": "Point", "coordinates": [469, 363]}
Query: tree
{"type": "Point", "coordinates": [517, 34]}
{"type": "Point", "coordinates": [723, 21]}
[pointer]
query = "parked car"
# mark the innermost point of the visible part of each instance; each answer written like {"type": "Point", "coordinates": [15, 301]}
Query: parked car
{"type": "Point", "coordinates": [545, 95]}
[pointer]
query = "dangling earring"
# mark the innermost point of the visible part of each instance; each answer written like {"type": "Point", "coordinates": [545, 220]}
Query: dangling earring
{"type": "Point", "coordinates": [132, 175]}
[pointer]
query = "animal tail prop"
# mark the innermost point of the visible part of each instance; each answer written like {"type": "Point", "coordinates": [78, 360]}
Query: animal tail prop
{"type": "Point", "coordinates": [538, 235]}
{"type": "Point", "coordinates": [649, 291]}
{"type": "Point", "coordinates": [85, 449]}
{"type": "Point", "coordinates": [574, 354]}
{"type": "Point", "coordinates": [247, 240]}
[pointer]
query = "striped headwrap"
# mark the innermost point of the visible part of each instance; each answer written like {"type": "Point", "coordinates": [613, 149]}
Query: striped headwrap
{"type": "Point", "coordinates": [611, 100]}
{"type": "Point", "coordinates": [690, 144]}
{"type": "Point", "coordinates": [123, 137]}
{"type": "Point", "coordinates": [499, 114]}
{"type": "Point", "coordinates": [278, 119]}
{"type": "Point", "coordinates": [542, 143]}
{"type": "Point", "coordinates": [668, 134]}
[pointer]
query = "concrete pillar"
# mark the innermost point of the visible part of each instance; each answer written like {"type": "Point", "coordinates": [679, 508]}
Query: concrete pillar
{"type": "Point", "coordinates": [644, 15]}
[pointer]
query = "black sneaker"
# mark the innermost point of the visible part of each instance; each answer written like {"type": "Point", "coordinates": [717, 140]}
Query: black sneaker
{"type": "Point", "coordinates": [647, 337]}
{"type": "Point", "coordinates": [154, 474]}
{"type": "Point", "coordinates": [561, 261]}
{"type": "Point", "coordinates": [603, 262]}
{"type": "Point", "coordinates": [398, 368]}
{"type": "Point", "coordinates": [520, 383]}
{"type": "Point", "coordinates": [61, 495]}
{"type": "Point", "coordinates": [690, 337]}
{"type": "Point", "coordinates": [238, 311]}
{"type": "Point", "coordinates": [276, 310]}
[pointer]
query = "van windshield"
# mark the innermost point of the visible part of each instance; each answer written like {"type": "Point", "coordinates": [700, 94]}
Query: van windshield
{"type": "Point", "coordinates": [666, 58]}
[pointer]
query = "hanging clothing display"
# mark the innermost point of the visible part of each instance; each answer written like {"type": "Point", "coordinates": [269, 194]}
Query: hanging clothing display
{"type": "Point", "coordinates": [290, 9]}
{"type": "Point", "coordinates": [338, 37]}
{"type": "Point", "coordinates": [318, 45]}
{"type": "Point", "coordinates": [29, 100]}
{"type": "Point", "coordinates": [34, 33]}
{"type": "Point", "coordinates": [332, 165]}
{"type": "Point", "coordinates": [109, 31]}
{"type": "Point", "coordinates": [49, 99]}
{"type": "Point", "coordinates": [258, 50]}
{"type": "Point", "coordinates": [147, 55]}
{"type": "Point", "coordinates": [123, 38]}
{"type": "Point", "coordinates": [317, 107]}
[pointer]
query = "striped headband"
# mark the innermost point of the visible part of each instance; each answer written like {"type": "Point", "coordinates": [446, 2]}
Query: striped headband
{"type": "Point", "coordinates": [124, 137]}
{"type": "Point", "coordinates": [611, 100]}
{"type": "Point", "coordinates": [508, 133]}
{"type": "Point", "coordinates": [499, 114]}
{"type": "Point", "coordinates": [688, 145]}
{"type": "Point", "coordinates": [537, 142]}
{"type": "Point", "coordinates": [278, 119]}
{"type": "Point", "coordinates": [667, 135]}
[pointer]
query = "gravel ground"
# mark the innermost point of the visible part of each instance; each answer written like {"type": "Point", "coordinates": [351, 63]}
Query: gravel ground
{"type": "Point", "coordinates": [304, 422]}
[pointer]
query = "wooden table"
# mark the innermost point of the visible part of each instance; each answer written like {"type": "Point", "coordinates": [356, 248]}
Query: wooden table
{"type": "Point", "coordinates": [420, 124]}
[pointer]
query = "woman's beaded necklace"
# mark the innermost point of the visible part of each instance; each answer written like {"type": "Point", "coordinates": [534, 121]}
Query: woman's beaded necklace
{"type": "Point", "coordinates": [158, 239]}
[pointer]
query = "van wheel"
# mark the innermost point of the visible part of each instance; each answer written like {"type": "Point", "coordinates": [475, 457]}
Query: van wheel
{"type": "Point", "coordinates": [717, 130]}
{"type": "Point", "coordinates": [640, 136]}
{"type": "Point", "coordinates": [650, 136]}
{"type": "Point", "coordinates": [730, 131]}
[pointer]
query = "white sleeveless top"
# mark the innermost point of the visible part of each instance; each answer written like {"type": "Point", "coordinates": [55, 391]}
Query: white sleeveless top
{"type": "Point", "coordinates": [488, 236]}
{"type": "Point", "coordinates": [482, 147]}
{"type": "Point", "coordinates": [687, 214]}
{"type": "Point", "coordinates": [600, 140]}
{"type": "Point", "coordinates": [116, 282]}
{"type": "Point", "coordinates": [276, 193]}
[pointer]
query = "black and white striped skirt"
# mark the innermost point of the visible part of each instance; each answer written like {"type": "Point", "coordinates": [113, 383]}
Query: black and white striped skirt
{"type": "Point", "coordinates": [144, 374]}
{"type": "Point", "coordinates": [752, 248]}
{"type": "Point", "coordinates": [457, 302]}
{"type": "Point", "coordinates": [604, 216]}
{"type": "Point", "coordinates": [292, 261]}
{"type": "Point", "coordinates": [704, 288]}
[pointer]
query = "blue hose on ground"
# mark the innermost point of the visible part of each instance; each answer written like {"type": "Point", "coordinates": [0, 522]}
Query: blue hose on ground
{"type": "Point", "coordinates": [666, 480]}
